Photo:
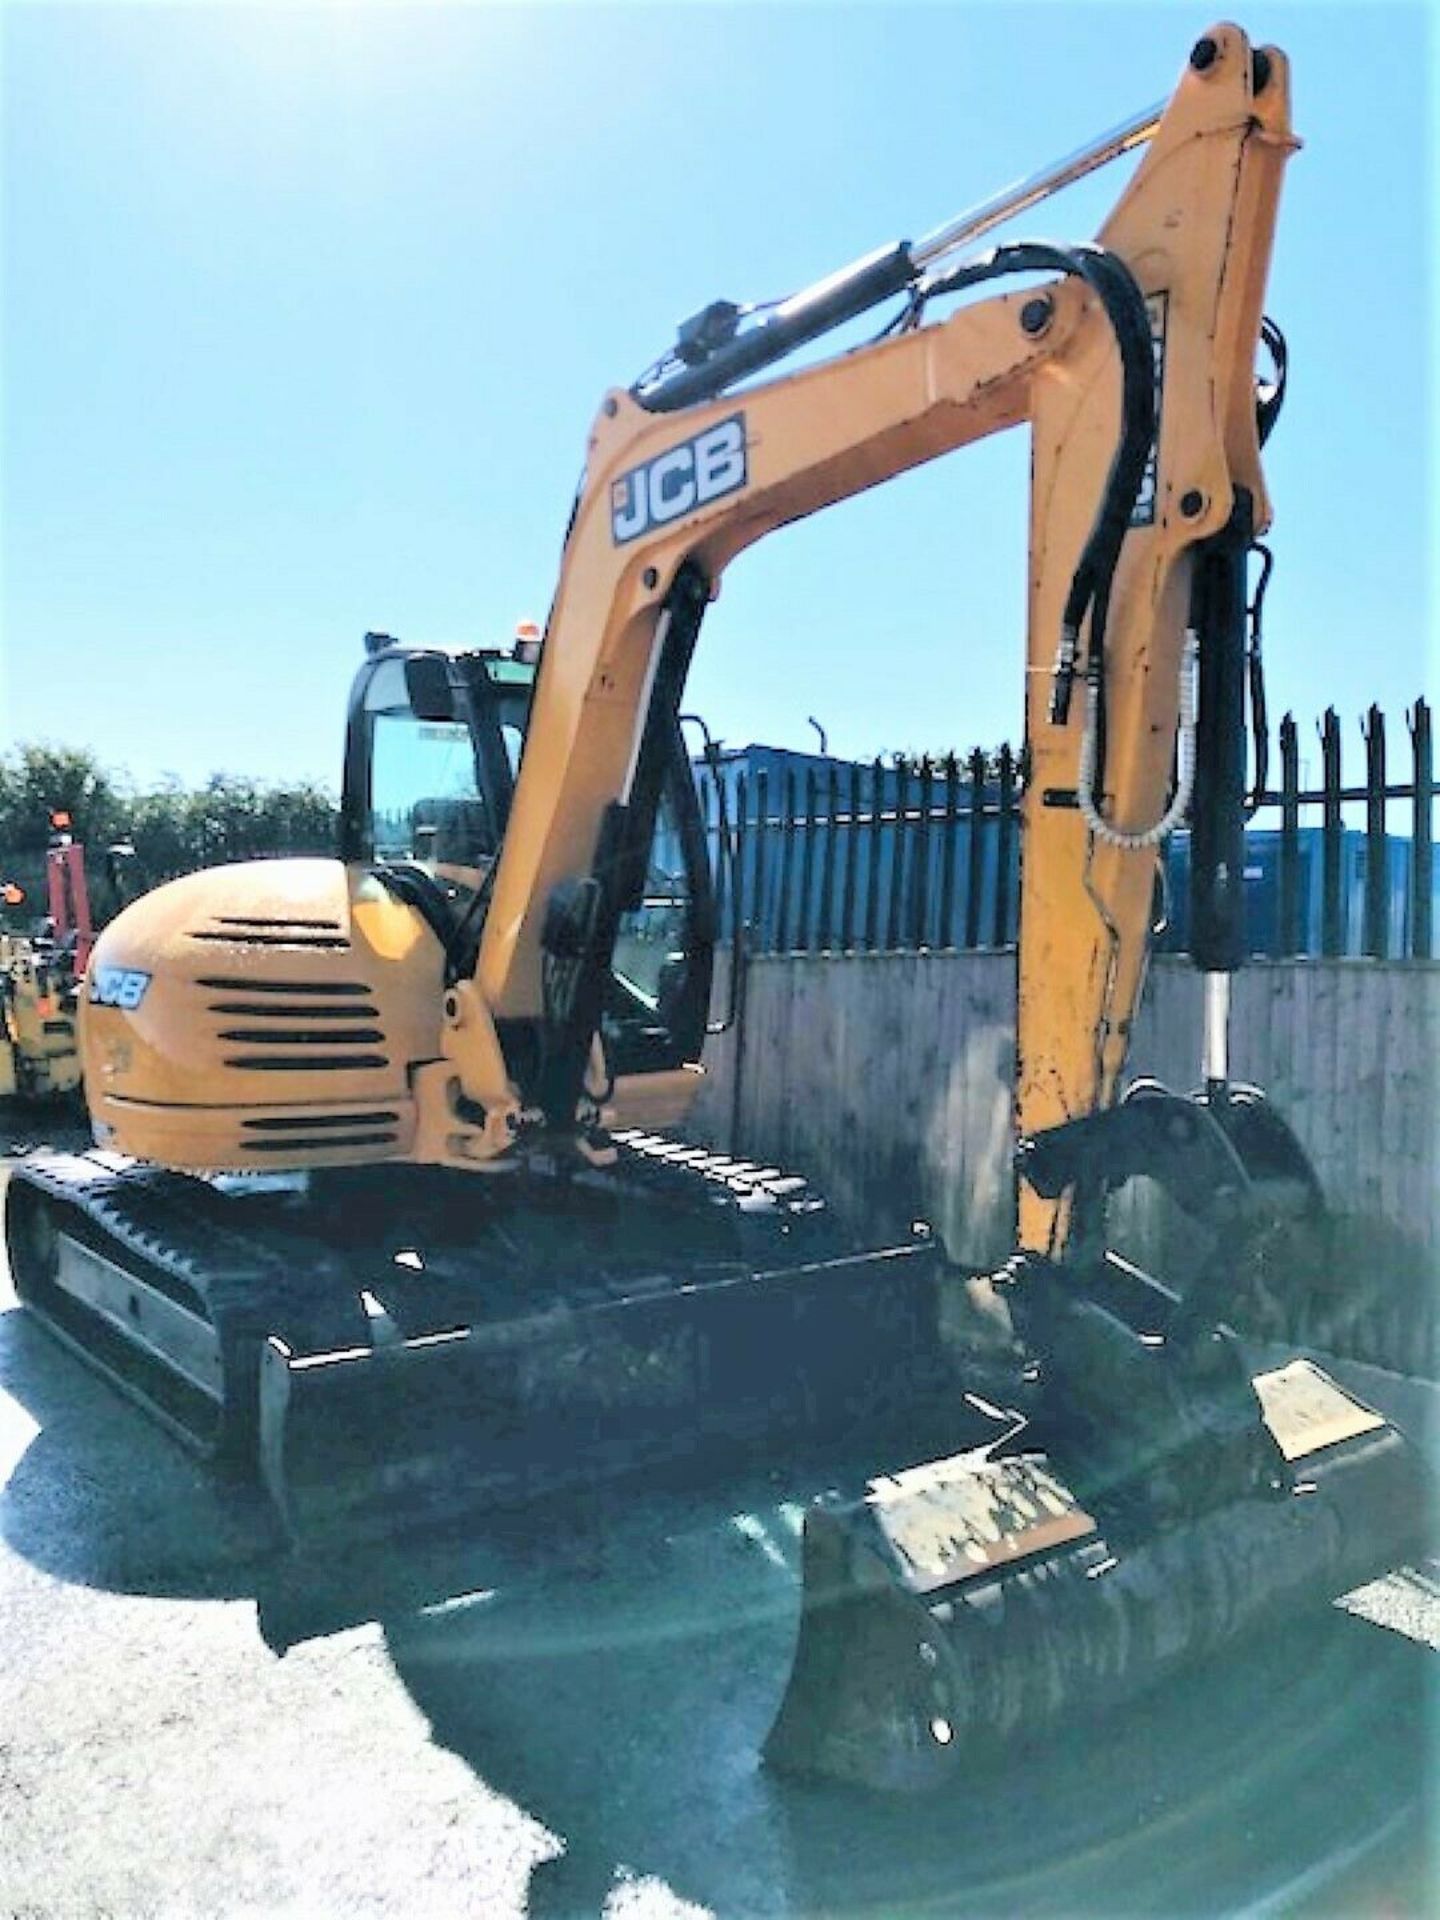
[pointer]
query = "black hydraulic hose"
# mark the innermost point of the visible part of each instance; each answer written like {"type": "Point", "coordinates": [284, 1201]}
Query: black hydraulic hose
{"type": "Point", "coordinates": [1115, 287]}
{"type": "Point", "coordinates": [1271, 399]}
{"type": "Point", "coordinates": [738, 351]}
{"type": "Point", "coordinates": [1255, 672]}
{"type": "Point", "coordinates": [462, 949]}
{"type": "Point", "coordinates": [1124, 306]}
{"type": "Point", "coordinates": [1106, 275]}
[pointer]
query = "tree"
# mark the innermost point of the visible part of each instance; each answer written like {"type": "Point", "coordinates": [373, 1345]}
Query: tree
{"type": "Point", "coordinates": [37, 779]}
{"type": "Point", "coordinates": [173, 829]}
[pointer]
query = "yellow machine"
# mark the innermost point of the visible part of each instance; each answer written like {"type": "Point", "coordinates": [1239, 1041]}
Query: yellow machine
{"type": "Point", "coordinates": [39, 975]}
{"type": "Point", "coordinates": [498, 1276]}
{"type": "Point", "coordinates": [39, 1054]}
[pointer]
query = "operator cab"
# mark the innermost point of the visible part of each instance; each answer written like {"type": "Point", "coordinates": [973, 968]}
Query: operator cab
{"type": "Point", "coordinates": [430, 764]}
{"type": "Point", "coordinates": [433, 752]}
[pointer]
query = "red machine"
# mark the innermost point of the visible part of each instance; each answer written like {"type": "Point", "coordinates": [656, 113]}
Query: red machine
{"type": "Point", "coordinates": [67, 893]}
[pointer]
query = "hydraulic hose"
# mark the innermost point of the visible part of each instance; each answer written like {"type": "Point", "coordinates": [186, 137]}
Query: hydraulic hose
{"type": "Point", "coordinates": [1152, 835]}
{"type": "Point", "coordinates": [1113, 284]}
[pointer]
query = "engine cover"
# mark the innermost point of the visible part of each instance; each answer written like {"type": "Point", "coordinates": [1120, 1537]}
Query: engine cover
{"type": "Point", "coordinates": [261, 1015]}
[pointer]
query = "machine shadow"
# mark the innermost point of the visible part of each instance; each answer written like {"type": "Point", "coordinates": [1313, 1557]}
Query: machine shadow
{"type": "Point", "coordinates": [624, 1705]}
{"type": "Point", "coordinates": [612, 1666]}
{"type": "Point", "coordinates": [59, 1123]}
{"type": "Point", "coordinates": [98, 1496]}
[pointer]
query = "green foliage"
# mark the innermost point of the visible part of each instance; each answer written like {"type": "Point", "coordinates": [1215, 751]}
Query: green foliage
{"type": "Point", "coordinates": [36, 780]}
{"type": "Point", "coordinates": [173, 829]}
{"type": "Point", "coordinates": [229, 818]}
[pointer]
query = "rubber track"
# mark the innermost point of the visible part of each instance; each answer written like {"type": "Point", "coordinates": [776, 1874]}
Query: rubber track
{"type": "Point", "coordinates": [692, 1174]}
{"type": "Point", "coordinates": [279, 1275]}
{"type": "Point", "coordinates": [173, 1225]}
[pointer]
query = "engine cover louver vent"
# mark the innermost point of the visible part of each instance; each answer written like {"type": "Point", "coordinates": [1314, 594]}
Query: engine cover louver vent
{"type": "Point", "coordinates": [279, 1026]}
{"type": "Point", "coordinates": [263, 930]}
{"type": "Point", "coordinates": [294, 1134]}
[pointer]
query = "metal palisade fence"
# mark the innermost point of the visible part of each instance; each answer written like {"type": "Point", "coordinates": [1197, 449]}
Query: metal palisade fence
{"type": "Point", "coordinates": [900, 855]}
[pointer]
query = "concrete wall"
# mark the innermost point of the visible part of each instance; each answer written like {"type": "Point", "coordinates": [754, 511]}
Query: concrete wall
{"type": "Point", "coordinates": [886, 1078]}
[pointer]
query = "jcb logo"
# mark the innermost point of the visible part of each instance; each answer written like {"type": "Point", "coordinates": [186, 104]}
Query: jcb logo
{"type": "Point", "coordinates": [680, 480]}
{"type": "Point", "coordinates": [122, 987]}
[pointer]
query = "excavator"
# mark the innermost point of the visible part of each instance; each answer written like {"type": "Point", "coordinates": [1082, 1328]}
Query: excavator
{"type": "Point", "coordinates": [387, 1201]}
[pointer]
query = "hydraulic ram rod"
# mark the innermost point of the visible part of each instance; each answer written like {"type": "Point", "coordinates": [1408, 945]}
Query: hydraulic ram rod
{"type": "Point", "coordinates": [1131, 133]}
{"type": "Point", "coordinates": [738, 349]}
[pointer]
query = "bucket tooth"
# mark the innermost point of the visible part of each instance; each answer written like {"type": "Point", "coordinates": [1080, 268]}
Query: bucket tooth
{"type": "Point", "coordinates": [973, 1600]}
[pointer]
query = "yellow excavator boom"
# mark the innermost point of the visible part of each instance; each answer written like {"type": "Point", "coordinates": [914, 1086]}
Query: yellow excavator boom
{"type": "Point", "coordinates": [670, 495]}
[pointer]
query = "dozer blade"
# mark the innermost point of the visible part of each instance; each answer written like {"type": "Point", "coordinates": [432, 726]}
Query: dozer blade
{"type": "Point", "coordinates": [407, 1430]}
{"type": "Point", "coordinates": [972, 1601]}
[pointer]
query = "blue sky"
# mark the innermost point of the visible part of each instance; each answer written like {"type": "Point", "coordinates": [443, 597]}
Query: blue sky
{"type": "Point", "coordinates": [306, 311]}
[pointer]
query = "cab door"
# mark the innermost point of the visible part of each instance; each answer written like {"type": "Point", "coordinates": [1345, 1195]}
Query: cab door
{"type": "Point", "coordinates": [659, 995]}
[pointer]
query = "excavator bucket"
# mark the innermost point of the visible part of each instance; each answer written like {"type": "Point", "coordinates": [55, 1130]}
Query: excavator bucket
{"type": "Point", "coordinates": [967, 1602]}
{"type": "Point", "coordinates": [409, 1352]}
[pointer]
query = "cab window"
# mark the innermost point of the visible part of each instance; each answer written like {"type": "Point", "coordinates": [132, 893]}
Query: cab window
{"type": "Point", "coordinates": [660, 974]}
{"type": "Point", "coordinates": [427, 803]}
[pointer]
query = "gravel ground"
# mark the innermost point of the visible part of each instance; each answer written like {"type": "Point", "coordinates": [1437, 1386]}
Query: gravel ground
{"type": "Point", "coordinates": [567, 1724]}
